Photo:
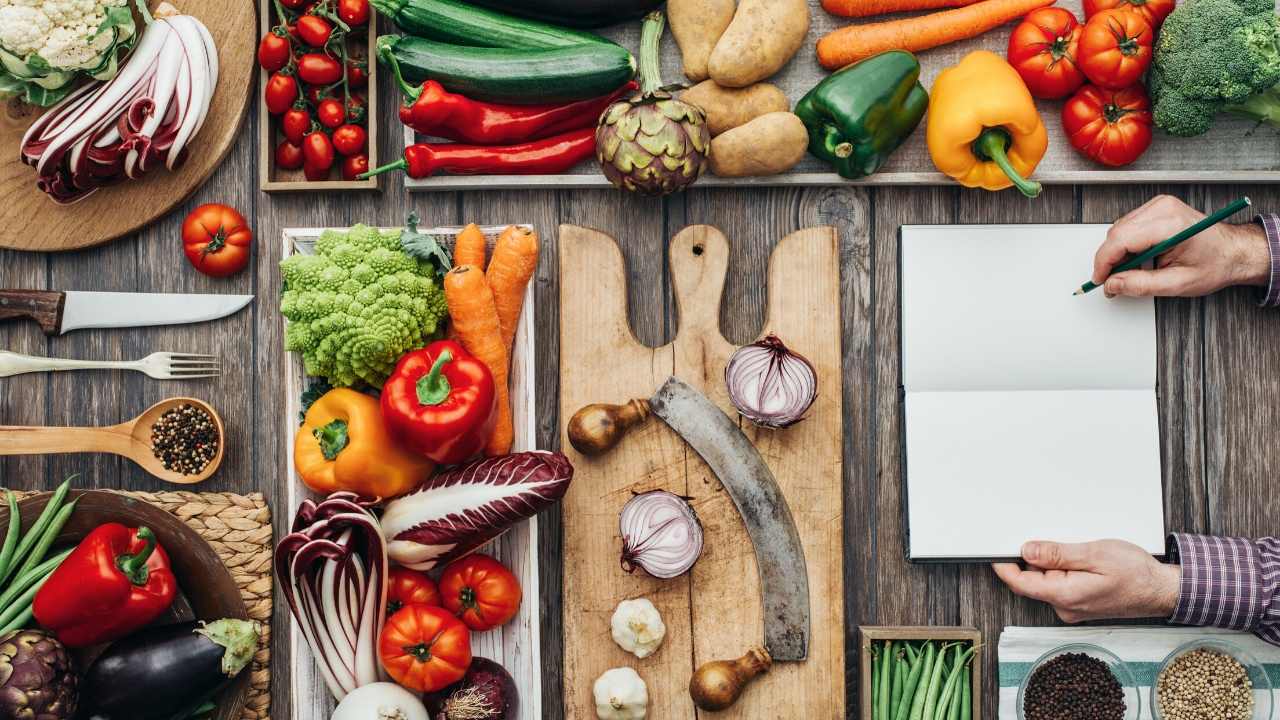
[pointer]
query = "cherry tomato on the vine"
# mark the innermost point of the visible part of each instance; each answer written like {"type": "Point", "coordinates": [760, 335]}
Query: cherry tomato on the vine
{"type": "Point", "coordinates": [293, 4]}
{"type": "Point", "coordinates": [1112, 127]}
{"type": "Point", "coordinates": [317, 151]}
{"type": "Point", "coordinates": [357, 74]}
{"type": "Point", "coordinates": [275, 50]}
{"type": "Point", "coordinates": [315, 173]}
{"type": "Point", "coordinates": [329, 112]}
{"type": "Point", "coordinates": [216, 240]}
{"type": "Point", "coordinates": [280, 93]}
{"type": "Point", "coordinates": [1115, 48]}
{"type": "Point", "coordinates": [319, 69]}
{"type": "Point", "coordinates": [314, 30]}
{"type": "Point", "coordinates": [349, 139]}
{"type": "Point", "coordinates": [353, 12]}
{"type": "Point", "coordinates": [289, 155]}
{"type": "Point", "coordinates": [354, 166]}
{"type": "Point", "coordinates": [295, 123]}
{"type": "Point", "coordinates": [1043, 48]}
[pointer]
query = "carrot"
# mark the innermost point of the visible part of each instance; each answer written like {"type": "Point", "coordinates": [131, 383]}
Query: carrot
{"type": "Point", "coordinates": [475, 319]}
{"type": "Point", "coordinates": [468, 247]}
{"type": "Point", "coordinates": [514, 259]}
{"type": "Point", "coordinates": [867, 8]}
{"type": "Point", "coordinates": [856, 42]}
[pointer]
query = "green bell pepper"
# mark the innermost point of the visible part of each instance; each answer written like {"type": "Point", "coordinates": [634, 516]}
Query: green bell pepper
{"type": "Point", "coordinates": [860, 114]}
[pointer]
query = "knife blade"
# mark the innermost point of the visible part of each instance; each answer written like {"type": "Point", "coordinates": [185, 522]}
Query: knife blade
{"type": "Point", "coordinates": [62, 312]}
{"type": "Point", "coordinates": [784, 579]}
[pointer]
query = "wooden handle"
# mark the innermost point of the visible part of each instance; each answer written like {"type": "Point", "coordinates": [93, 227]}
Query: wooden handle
{"type": "Point", "coordinates": [43, 306]}
{"type": "Point", "coordinates": [598, 427]}
{"type": "Point", "coordinates": [41, 440]}
{"type": "Point", "coordinates": [718, 684]}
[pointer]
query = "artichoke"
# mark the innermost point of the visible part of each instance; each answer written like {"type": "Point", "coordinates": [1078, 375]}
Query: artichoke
{"type": "Point", "coordinates": [37, 681]}
{"type": "Point", "coordinates": [652, 143]}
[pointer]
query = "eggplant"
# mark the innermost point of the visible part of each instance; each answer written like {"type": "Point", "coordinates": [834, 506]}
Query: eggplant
{"type": "Point", "coordinates": [163, 673]}
{"type": "Point", "coordinates": [576, 13]}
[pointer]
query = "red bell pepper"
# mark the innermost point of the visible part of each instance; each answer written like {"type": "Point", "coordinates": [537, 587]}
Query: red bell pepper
{"type": "Point", "coordinates": [440, 113]}
{"type": "Point", "coordinates": [441, 402]}
{"type": "Point", "coordinates": [116, 581]}
{"type": "Point", "coordinates": [548, 156]}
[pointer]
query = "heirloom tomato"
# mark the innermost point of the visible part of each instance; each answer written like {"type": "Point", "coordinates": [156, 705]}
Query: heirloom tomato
{"type": "Point", "coordinates": [1115, 48]}
{"type": "Point", "coordinates": [425, 648]}
{"type": "Point", "coordinates": [410, 587]}
{"type": "Point", "coordinates": [1043, 49]}
{"type": "Point", "coordinates": [216, 240]}
{"type": "Point", "coordinates": [1112, 127]}
{"type": "Point", "coordinates": [481, 591]}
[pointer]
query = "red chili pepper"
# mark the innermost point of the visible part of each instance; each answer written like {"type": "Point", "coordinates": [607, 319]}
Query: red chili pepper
{"type": "Point", "coordinates": [548, 156]}
{"type": "Point", "coordinates": [440, 113]}
{"type": "Point", "coordinates": [440, 402]}
{"type": "Point", "coordinates": [115, 581]}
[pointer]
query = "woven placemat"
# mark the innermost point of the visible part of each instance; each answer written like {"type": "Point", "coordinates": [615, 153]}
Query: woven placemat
{"type": "Point", "coordinates": [238, 527]}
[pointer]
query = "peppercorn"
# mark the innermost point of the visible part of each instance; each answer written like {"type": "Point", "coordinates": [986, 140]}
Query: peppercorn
{"type": "Point", "coordinates": [184, 439]}
{"type": "Point", "coordinates": [1205, 685]}
{"type": "Point", "coordinates": [1073, 686]}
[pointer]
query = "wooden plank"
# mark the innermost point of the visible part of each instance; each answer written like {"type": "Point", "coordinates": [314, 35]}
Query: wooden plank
{"type": "Point", "coordinates": [23, 398]}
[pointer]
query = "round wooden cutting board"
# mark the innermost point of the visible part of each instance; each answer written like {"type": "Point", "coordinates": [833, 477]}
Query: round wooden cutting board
{"type": "Point", "coordinates": [30, 220]}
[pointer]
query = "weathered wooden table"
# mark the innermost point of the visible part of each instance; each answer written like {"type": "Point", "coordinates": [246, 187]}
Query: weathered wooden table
{"type": "Point", "coordinates": [1219, 360]}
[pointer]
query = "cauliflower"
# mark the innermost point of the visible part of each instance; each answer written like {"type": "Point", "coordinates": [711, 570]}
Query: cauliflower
{"type": "Point", "coordinates": [44, 44]}
{"type": "Point", "coordinates": [358, 304]}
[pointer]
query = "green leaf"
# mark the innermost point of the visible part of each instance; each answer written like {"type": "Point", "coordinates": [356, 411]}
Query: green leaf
{"type": "Point", "coordinates": [39, 65]}
{"type": "Point", "coordinates": [317, 388]}
{"type": "Point", "coordinates": [10, 85]}
{"type": "Point", "coordinates": [424, 247]}
{"type": "Point", "coordinates": [44, 97]}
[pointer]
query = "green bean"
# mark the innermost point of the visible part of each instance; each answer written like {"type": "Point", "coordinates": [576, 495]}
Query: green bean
{"type": "Point", "coordinates": [18, 622]}
{"type": "Point", "coordinates": [966, 697]}
{"type": "Point", "coordinates": [34, 534]}
{"type": "Point", "coordinates": [875, 679]}
{"type": "Point", "coordinates": [935, 684]}
{"type": "Point", "coordinates": [23, 602]}
{"type": "Point", "coordinates": [12, 535]}
{"type": "Point", "coordinates": [950, 688]}
{"type": "Point", "coordinates": [899, 676]}
{"type": "Point", "coordinates": [956, 697]}
{"type": "Point", "coordinates": [913, 655]}
{"type": "Point", "coordinates": [922, 689]}
{"type": "Point", "coordinates": [908, 690]}
{"type": "Point", "coordinates": [22, 582]}
{"type": "Point", "coordinates": [50, 535]}
{"type": "Point", "coordinates": [886, 681]}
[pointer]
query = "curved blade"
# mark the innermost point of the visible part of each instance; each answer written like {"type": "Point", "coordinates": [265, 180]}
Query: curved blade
{"type": "Point", "coordinates": [784, 580]}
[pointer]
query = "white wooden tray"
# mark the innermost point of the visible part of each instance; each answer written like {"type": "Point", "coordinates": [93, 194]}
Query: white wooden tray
{"type": "Point", "coordinates": [1233, 151]}
{"type": "Point", "coordinates": [515, 645]}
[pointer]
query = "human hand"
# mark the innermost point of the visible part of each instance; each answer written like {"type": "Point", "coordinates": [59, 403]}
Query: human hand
{"type": "Point", "coordinates": [1094, 581]}
{"type": "Point", "coordinates": [1219, 256]}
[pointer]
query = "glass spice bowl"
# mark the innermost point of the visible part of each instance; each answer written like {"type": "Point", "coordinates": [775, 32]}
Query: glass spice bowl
{"type": "Point", "coordinates": [1118, 667]}
{"type": "Point", "coordinates": [1262, 695]}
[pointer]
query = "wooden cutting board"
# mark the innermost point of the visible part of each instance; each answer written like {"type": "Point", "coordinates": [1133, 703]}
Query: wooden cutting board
{"type": "Point", "coordinates": [29, 220]}
{"type": "Point", "coordinates": [714, 612]}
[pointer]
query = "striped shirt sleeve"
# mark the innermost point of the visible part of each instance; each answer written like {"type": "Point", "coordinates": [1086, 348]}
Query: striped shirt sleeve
{"type": "Point", "coordinates": [1271, 225]}
{"type": "Point", "coordinates": [1231, 583]}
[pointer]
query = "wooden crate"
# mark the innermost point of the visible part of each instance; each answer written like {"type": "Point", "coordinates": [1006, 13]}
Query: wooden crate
{"type": "Point", "coordinates": [1234, 151]}
{"type": "Point", "coordinates": [273, 179]}
{"type": "Point", "coordinates": [871, 633]}
{"type": "Point", "coordinates": [516, 645]}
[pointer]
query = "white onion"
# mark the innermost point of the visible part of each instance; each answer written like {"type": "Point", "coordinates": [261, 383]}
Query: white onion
{"type": "Point", "coordinates": [769, 384]}
{"type": "Point", "coordinates": [660, 534]}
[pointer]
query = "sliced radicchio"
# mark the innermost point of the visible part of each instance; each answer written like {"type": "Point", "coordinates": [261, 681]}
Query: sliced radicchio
{"type": "Point", "coordinates": [457, 511]}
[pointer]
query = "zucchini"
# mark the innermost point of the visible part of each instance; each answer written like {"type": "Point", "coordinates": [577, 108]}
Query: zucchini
{"type": "Point", "coordinates": [576, 13]}
{"type": "Point", "coordinates": [458, 23]}
{"type": "Point", "coordinates": [505, 75]}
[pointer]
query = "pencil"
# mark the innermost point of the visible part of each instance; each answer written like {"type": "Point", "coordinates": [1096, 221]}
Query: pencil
{"type": "Point", "coordinates": [1162, 247]}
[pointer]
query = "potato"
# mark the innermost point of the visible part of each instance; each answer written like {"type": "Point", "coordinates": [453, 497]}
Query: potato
{"type": "Point", "coordinates": [697, 25]}
{"type": "Point", "coordinates": [768, 145]}
{"type": "Point", "coordinates": [761, 39]}
{"type": "Point", "coordinates": [727, 108]}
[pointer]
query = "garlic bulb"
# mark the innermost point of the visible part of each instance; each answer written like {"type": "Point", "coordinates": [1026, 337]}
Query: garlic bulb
{"type": "Point", "coordinates": [621, 694]}
{"type": "Point", "coordinates": [637, 627]}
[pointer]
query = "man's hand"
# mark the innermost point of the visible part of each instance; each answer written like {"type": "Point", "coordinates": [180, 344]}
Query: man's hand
{"type": "Point", "coordinates": [1094, 581]}
{"type": "Point", "coordinates": [1218, 257]}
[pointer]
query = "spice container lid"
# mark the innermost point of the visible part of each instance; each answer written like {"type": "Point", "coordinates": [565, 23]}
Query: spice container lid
{"type": "Point", "coordinates": [1119, 669]}
{"type": "Point", "coordinates": [1263, 700]}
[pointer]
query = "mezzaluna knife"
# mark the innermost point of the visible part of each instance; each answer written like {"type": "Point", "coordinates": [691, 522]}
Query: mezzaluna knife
{"type": "Point", "coordinates": [60, 312]}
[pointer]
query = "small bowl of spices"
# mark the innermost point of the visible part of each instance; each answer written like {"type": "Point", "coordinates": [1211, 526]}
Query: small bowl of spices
{"type": "Point", "coordinates": [1079, 682]}
{"type": "Point", "coordinates": [1211, 679]}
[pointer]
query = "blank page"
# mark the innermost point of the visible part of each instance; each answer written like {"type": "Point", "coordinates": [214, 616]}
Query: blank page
{"type": "Point", "coordinates": [1029, 413]}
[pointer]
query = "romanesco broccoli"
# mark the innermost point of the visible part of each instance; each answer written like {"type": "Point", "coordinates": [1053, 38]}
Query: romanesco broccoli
{"type": "Point", "coordinates": [358, 304]}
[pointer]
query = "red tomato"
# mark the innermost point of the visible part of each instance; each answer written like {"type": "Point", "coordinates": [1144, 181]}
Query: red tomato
{"type": "Point", "coordinates": [424, 648]}
{"type": "Point", "coordinates": [355, 109]}
{"type": "Point", "coordinates": [349, 139]}
{"type": "Point", "coordinates": [1043, 49]}
{"type": "Point", "coordinates": [314, 30]}
{"type": "Point", "coordinates": [1115, 49]}
{"type": "Point", "coordinates": [357, 74]}
{"type": "Point", "coordinates": [295, 124]}
{"type": "Point", "coordinates": [216, 240]}
{"type": "Point", "coordinates": [293, 4]}
{"type": "Point", "coordinates": [319, 69]}
{"type": "Point", "coordinates": [481, 591]}
{"type": "Point", "coordinates": [1112, 127]}
{"type": "Point", "coordinates": [315, 173]}
{"type": "Point", "coordinates": [281, 91]}
{"type": "Point", "coordinates": [409, 587]}
{"type": "Point", "coordinates": [289, 155]}
{"type": "Point", "coordinates": [329, 112]}
{"type": "Point", "coordinates": [316, 93]}
{"type": "Point", "coordinates": [317, 150]}
{"type": "Point", "coordinates": [1154, 11]}
{"type": "Point", "coordinates": [353, 12]}
{"type": "Point", "coordinates": [275, 50]}
{"type": "Point", "coordinates": [354, 166]}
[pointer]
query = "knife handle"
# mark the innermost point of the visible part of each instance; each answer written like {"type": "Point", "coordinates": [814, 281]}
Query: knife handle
{"type": "Point", "coordinates": [597, 428]}
{"type": "Point", "coordinates": [43, 306]}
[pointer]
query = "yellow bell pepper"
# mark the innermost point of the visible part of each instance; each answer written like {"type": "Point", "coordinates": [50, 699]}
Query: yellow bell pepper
{"type": "Point", "coordinates": [344, 444]}
{"type": "Point", "coordinates": [983, 129]}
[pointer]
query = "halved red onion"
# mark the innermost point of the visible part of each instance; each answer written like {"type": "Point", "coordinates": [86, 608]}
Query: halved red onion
{"type": "Point", "coordinates": [769, 384]}
{"type": "Point", "coordinates": [660, 534]}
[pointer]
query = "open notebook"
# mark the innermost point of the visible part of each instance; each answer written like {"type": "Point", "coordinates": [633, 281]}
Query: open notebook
{"type": "Point", "coordinates": [1028, 413]}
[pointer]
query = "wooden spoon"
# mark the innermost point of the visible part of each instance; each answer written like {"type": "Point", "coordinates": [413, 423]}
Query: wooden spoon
{"type": "Point", "coordinates": [132, 439]}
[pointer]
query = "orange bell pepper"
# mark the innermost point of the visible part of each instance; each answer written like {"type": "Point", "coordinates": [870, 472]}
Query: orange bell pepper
{"type": "Point", "coordinates": [344, 444]}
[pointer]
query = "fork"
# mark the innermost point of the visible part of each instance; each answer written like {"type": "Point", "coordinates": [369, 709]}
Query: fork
{"type": "Point", "coordinates": [158, 365]}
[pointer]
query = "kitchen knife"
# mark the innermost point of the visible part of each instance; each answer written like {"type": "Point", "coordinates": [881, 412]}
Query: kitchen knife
{"type": "Point", "coordinates": [61, 312]}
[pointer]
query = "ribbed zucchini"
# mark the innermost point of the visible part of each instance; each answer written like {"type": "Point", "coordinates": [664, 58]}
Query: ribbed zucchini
{"type": "Point", "coordinates": [511, 76]}
{"type": "Point", "coordinates": [459, 23]}
{"type": "Point", "coordinates": [576, 13]}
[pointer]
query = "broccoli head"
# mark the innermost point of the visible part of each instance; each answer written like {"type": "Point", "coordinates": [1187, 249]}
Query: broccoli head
{"type": "Point", "coordinates": [1215, 56]}
{"type": "Point", "coordinates": [358, 304]}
